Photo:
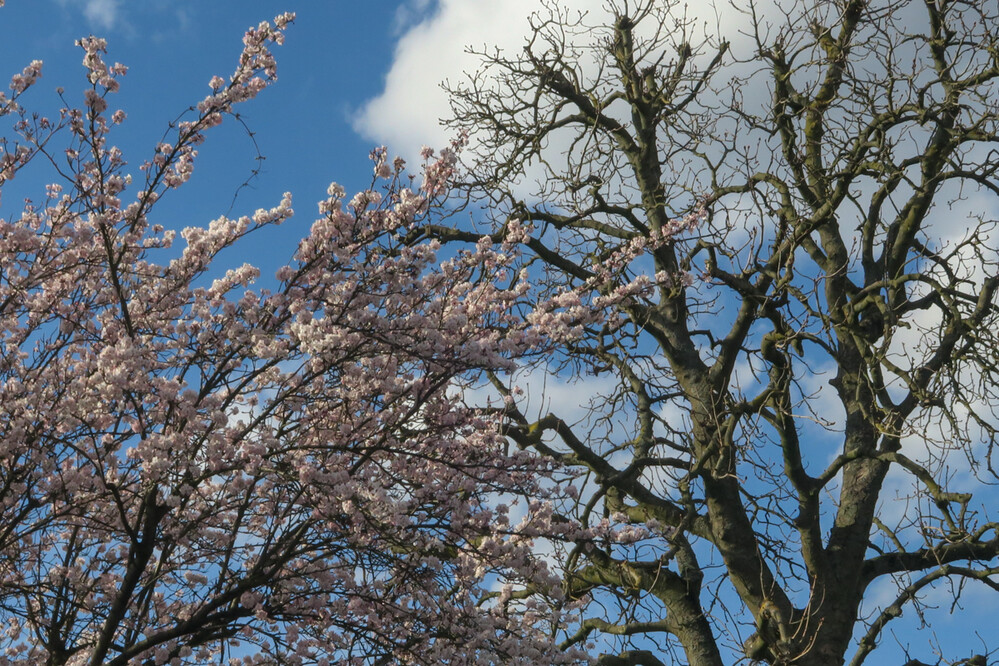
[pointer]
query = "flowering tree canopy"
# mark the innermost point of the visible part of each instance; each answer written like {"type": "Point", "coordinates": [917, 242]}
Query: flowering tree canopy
{"type": "Point", "coordinates": [194, 470]}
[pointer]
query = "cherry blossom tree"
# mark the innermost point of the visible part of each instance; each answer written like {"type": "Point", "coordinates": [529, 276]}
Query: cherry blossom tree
{"type": "Point", "coordinates": [195, 470]}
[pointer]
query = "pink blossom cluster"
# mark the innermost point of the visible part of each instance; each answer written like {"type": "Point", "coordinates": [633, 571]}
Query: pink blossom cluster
{"type": "Point", "coordinates": [257, 67]}
{"type": "Point", "coordinates": [193, 469]}
{"type": "Point", "coordinates": [32, 128]}
{"type": "Point", "coordinates": [20, 82]}
{"type": "Point", "coordinates": [562, 317]}
{"type": "Point", "coordinates": [439, 169]}
{"type": "Point", "coordinates": [98, 72]}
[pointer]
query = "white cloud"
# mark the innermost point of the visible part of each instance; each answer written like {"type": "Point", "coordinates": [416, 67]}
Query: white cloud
{"type": "Point", "coordinates": [408, 14]}
{"type": "Point", "coordinates": [104, 14]}
{"type": "Point", "coordinates": [407, 113]}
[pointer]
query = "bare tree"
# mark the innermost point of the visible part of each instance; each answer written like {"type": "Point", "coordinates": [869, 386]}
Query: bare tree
{"type": "Point", "coordinates": [806, 393]}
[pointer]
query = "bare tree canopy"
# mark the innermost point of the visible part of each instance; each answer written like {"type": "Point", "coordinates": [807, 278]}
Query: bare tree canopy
{"type": "Point", "coordinates": [803, 388]}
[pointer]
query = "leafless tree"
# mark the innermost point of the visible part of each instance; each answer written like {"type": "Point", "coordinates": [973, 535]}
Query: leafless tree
{"type": "Point", "coordinates": [805, 404]}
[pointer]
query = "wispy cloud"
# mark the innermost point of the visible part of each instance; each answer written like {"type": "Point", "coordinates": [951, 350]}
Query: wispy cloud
{"type": "Point", "coordinates": [102, 14]}
{"type": "Point", "coordinates": [408, 14]}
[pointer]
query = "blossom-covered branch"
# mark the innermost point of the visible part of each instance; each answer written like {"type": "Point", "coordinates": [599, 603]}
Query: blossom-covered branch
{"type": "Point", "coordinates": [196, 469]}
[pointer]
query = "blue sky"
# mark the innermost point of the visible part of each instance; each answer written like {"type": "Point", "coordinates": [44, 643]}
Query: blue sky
{"type": "Point", "coordinates": [352, 75]}
{"type": "Point", "coordinates": [334, 59]}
